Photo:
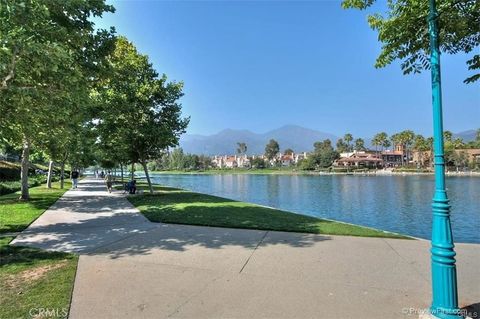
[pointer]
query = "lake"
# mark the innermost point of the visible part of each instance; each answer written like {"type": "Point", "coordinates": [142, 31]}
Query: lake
{"type": "Point", "coordinates": [395, 203]}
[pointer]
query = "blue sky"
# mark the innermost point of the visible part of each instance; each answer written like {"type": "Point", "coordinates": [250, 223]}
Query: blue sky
{"type": "Point", "coordinates": [258, 65]}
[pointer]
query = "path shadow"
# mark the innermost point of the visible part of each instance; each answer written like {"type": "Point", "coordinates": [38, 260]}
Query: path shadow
{"type": "Point", "coordinates": [123, 235]}
{"type": "Point", "coordinates": [21, 256]}
{"type": "Point", "coordinates": [97, 222]}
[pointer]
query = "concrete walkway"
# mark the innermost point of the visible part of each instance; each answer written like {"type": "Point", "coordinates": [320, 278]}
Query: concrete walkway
{"type": "Point", "coordinates": [131, 268]}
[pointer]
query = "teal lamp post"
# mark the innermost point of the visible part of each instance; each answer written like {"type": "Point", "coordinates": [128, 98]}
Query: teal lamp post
{"type": "Point", "coordinates": [444, 273]}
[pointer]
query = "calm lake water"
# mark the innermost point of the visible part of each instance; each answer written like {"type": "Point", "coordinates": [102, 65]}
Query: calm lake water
{"type": "Point", "coordinates": [395, 203]}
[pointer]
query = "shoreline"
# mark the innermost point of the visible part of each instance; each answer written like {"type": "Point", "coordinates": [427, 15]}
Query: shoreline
{"type": "Point", "coordinates": [407, 236]}
{"type": "Point", "coordinates": [287, 172]}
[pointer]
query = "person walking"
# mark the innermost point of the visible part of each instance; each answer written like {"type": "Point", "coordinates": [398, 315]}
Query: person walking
{"type": "Point", "coordinates": [109, 181]}
{"type": "Point", "coordinates": [75, 176]}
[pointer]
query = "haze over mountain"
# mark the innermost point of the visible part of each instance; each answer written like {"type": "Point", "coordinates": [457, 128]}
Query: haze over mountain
{"type": "Point", "coordinates": [466, 136]}
{"type": "Point", "coordinates": [298, 138]}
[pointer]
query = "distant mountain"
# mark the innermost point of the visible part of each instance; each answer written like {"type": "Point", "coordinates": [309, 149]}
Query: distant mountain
{"type": "Point", "coordinates": [298, 138]}
{"type": "Point", "coordinates": [466, 136]}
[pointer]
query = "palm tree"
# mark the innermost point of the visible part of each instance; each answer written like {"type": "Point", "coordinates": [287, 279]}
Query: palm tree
{"type": "Point", "coordinates": [242, 148]}
{"type": "Point", "coordinates": [447, 136]}
{"type": "Point", "coordinates": [420, 144]}
{"type": "Point", "coordinates": [407, 136]}
{"type": "Point", "coordinates": [430, 148]}
{"type": "Point", "coordinates": [380, 139]}
{"type": "Point", "coordinates": [397, 140]}
{"type": "Point", "coordinates": [376, 142]}
{"type": "Point", "coordinates": [348, 138]}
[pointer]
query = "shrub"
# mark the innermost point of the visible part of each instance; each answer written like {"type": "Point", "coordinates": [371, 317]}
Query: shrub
{"type": "Point", "coordinates": [9, 171]}
{"type": "Point", "coordinates": [9, 187]}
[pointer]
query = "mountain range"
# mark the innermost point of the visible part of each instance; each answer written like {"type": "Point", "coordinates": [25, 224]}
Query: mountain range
{"type": "Point", "coordinates": [298, 138]}
{"type": "Point", "coordinates": [225, 142]}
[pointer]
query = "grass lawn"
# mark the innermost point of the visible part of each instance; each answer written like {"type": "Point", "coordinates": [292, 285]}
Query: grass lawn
{"type": "Point", "coordinates": [16, 215]}
{"type": "Point", "coordinates": [170, 205]}
{"type": "Point", "coordinates": [32, 279]}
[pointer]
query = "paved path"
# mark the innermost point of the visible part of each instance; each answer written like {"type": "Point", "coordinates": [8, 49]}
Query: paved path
{"type": "Point", "coordinates": [131, 268]}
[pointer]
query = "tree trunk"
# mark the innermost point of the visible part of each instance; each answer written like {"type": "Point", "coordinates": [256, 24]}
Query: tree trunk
{"type": "Point", "coordinates": [62, 177]}
{"type": "Point", "coordinates": [121, 171]}
{"type": "Point", "coordinates": [25, 195]}
{"type": "Point", "coordinates": [133, 171]}
{"type": "Point", "coordinates": [144, 164]}
{"type": "Point", "coordinates": [50, 173]}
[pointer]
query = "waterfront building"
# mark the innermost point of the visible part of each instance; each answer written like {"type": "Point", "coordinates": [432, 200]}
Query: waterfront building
{"type": "Point", "coordinates": [359, 159]}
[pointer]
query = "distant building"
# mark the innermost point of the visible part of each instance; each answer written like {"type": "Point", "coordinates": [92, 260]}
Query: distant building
{"type": "Point", "coordinates": [425, 158]}
{"type": "Point", "coordinates": [472, 154]}
{"type": "Point", "coordinates": [392, 158]}
{"type": "Point", "coordinates": [243, 161]}
{"type": "Point", "coordinates": [359, 159]}
{"type": "Point", "coordinates": [231, 161]}
{"type": "Point", "coordinates": [287, 159]}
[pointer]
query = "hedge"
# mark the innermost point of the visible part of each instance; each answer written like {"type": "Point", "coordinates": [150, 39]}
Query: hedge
{"type": "Point", "coordinates": [9, 187]}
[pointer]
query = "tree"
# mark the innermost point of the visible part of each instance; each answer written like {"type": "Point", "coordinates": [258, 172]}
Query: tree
{"type": "Point", "coordinates": [403, 32]}
{"type": "Point", "coordinates": [341, 146]}
{"type": "Point", "coordinates": [288, 151]}
{"type": "Point", "coordinates": [242, 148]}
{"type": "Point", "coordinates": [50, 52]}
{"type": "Point", "coordinates": [272, 149]}
{"type": "Point", "coordinates": [407, 137]}
{"type": "Point", "coordinates": [205, 162]}
{"type": "Point", "coordinates": [380, 139]}
{"type": "Point", "coordinates": [177, 159]}
{"type": "Point", "coordinates": [348, 138]}
{"type": "Point", "coordinates": [359, 145]}
{"type": "Point", "coordinates": [140, 106]}
{"type": "Point", "coordinates": [258, 162]}
{"type": "Point", "coordinates": [447, 136]}
{"type": "Point", "coordinates": [420, 144]}
{"type": "Point", "coordinates": [323, 155]}
{"type": "Point", "coordinates": [386, 143]}
{"type": "Point", "coordinates": [458, 159]}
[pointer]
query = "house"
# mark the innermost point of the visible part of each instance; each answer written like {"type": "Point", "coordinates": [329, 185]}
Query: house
{"type": "Point", "coordinates": [359, 159]}
{"type": "Point", "coordinates": [392, 158]}
{"type": "Point", "coordinates": [231, 161]}
{"type": "Point", "coordinates": [298, 157]}
{"type": "Point", "coordinates": [243, 161]}
{"type": "Point", "coordinates": [287, 159]}
{"type": "Point", "coordinates": [425, 158]}
{"type": "Point", "coordinates": [472, 154]}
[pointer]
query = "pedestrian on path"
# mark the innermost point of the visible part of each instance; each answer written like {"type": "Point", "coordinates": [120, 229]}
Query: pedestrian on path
{"type": "Point", "coordinates": [75, 175]}
{"type": "Point", "coordinates": [109, 181]}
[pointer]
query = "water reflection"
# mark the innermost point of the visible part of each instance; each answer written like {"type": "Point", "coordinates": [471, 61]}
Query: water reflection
{"type": "Point", "coordinates": [395, 203]}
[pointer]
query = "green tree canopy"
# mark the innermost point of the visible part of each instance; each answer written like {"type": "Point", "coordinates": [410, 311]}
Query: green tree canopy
{"type": "Point", "coordinates": [140, 108]}
{"type": "Point", "coordinates": [242, 148]}
{"type": "Point", "coordinates": [49, 55]}
{"type": "Point", "coordinates": [272, 149]}
{"type": "Point", "coordinates": [403, 32]}
{"type": "Point", "coordinates": [359, 144]}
